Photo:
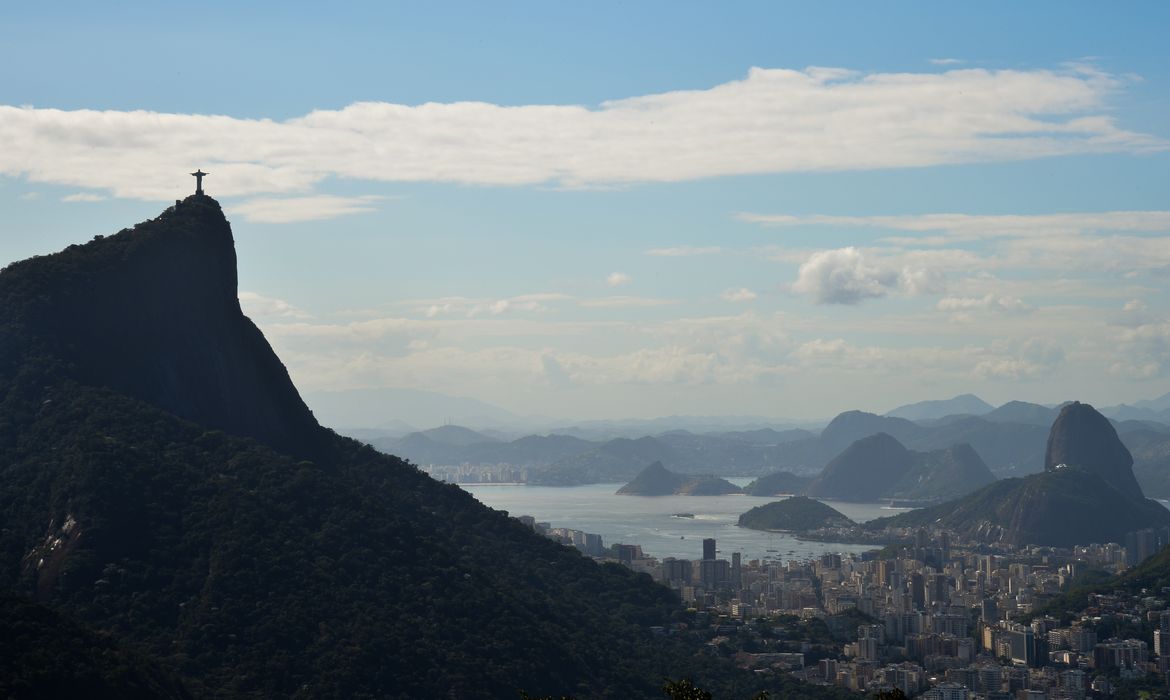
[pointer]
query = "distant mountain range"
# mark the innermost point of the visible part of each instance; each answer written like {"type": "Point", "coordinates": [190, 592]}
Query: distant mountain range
{"type": "Point", "coordinates": [966, 404]}
{"type": "Point", "coordinates": [1087, 493]}
{"type": "Point", "coordinates": [1010, 439]}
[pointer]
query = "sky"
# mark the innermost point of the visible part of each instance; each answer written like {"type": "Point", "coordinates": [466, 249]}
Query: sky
{"type": "Point", "coordinates": [614, 209]}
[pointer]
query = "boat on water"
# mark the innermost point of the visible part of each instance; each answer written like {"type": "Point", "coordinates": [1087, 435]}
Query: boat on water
{"type": "Point", "coordinates": [683, 515]}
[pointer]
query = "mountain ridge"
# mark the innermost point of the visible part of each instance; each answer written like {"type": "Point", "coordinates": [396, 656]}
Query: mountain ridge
{"type": "Point", "coordinates": [258, 554]}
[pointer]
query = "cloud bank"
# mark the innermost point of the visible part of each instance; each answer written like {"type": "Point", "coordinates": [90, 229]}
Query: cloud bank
{"type": "Point", "coordinates": [772, 121]}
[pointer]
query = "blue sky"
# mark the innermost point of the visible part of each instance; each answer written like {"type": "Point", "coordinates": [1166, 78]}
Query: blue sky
{"type": "Point", "coordinates": [634, 209]}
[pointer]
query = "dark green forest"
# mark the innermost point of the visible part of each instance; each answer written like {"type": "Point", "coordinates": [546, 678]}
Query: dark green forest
{"type": "Point", "coordinates": [257, 557]}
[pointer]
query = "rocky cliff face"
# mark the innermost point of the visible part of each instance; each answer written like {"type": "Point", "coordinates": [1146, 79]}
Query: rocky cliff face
{"type": "Point", "coordinates": [153, 312]}
{"type": "Point", "coordinates": [1083, 438]}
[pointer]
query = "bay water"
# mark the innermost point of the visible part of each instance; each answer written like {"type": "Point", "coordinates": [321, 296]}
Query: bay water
{"type": "Point", "coordinates": [652, 522]}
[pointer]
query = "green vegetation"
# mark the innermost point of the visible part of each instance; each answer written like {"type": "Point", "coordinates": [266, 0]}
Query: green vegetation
{"type": "Point", "coordinates": [219, 531]}
{"type": "Point", "coordinates": [43, 654]}
{"type": "Point", "coordinates": [1151, 575]}
{"type": "Point", "coordinates": [796, 513]}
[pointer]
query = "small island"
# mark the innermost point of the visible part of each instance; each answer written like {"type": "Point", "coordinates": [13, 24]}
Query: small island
{"type": "Point", "coordinates": [657, 480]}
{"type": "Point", "coordinates": [793, 514]}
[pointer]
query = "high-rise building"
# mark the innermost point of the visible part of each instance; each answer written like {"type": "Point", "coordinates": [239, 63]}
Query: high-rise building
{"type": "Point", "coordinates": [709, 548]}
{"type": "Point", "coordinates": [918, 590]}
{"type": "Point", "coordinates": [736, 571]}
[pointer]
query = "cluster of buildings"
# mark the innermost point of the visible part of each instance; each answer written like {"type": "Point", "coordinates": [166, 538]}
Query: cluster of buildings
{"type": "Point", "coordinates": [588, 543]}
{"type": "Point", "coordinates": [941, 620]}
{"type": "Point", "coordinates": [502, 473]}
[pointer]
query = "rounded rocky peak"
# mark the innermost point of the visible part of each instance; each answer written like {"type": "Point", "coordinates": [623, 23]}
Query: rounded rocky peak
{"type": "Point", "coordinates": [1083, 438]}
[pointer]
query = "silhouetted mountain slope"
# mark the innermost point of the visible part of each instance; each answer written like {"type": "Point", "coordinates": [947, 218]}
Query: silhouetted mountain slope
{"type": "Point", "coordinates": [968, 404]}
{"type": "Point", "coordinates": [303, 565]}
{"type": "Point", "coordinates": [1077, 503]}
{"type": "Point", "coordinates": [796, 513]}
{"type": "Point", "coordinates": [44, 654]}
{"type": "Point", "coordinates": [878, 467]}
{"type": "Point", "coordinates": [153, 312]}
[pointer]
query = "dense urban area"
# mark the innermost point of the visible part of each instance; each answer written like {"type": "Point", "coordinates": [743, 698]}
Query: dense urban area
{"type": "Point", "coordinates": [939, 618]}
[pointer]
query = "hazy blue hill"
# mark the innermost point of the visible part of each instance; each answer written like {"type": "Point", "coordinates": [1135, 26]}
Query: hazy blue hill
{"type": "Point", "coordinates": [942, 474]}
{"type": "Point", "coordinates": [654, 480]}
{"type": "Point", "coordinates": [1022, 412]}
{"type": "Point", "coordinates": [851, 426]}
{"type": "Point", "coordinates": [1151, 460]}
{"type": "Point", "coordinates": [779, 483]}
{"type": "Point", "coordinates": [964, 404]}
{"type": "Point", "coordinates": [383, 407]}
{"type": "Point", "coordinates": [259, 555]}
{"type": "Point", "coordinates": [793, 514]}
{"type": "Point", "coordinates": [769, 436]}
{"type": "Point", "coordinates": [1008, 448]}
{"type": "Point", "coordinates": [547, 449]}
{"type": "Point", "coordinates": [457, 435]}
{"type": "Point", "coordinates": [616, 460]}
{"type": "Point", "coordinates": [1077, 503]}
{"type": "Point", "coordinates": [708, 486]}
{"type": "Point", "coordinates": [657, 480]}
{"type": "Point", "coordinates": [879, 467]}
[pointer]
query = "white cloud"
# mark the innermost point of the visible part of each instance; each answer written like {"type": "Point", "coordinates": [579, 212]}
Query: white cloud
{"type": "Point", "coordinates": [258, 305]}
{"type": "Point", "coordinates": [960, 227]}
{"type": "Point", "coordinates": [684, 251]}
{"type": "Point", "coordinates": [773, 120]}
{"type": "Point", "coordinates": [82, 197]}
{"type": "Point", "coordinates": [624, 302]}
{"type": "Point", "coordinates": [847, 276]}
{"type": "Point", "coordinates": [29, 196]}
{"type": "Point", "coordinates": [1142, 352]}
{"type": "Point", "coordinates": [741, 294]}
{"type": "Point", "coordinates": [1134, 305]}
{"type": "Point", "coordinates": [617, 279]}
{"type": "Point", "coordinates": [1034, 358]}
{"type": "Point", "coordinates": [988, 302]}
{"type": "Point", "coordinates": [283, 210]}
{"type": "Point", "coordinates": [464, 306]}
{"type": "Point", "coordinates": [947, 61]}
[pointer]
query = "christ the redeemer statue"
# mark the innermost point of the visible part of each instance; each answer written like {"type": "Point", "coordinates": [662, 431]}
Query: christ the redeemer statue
{"type": "Point", "coordinates": [199, 180]}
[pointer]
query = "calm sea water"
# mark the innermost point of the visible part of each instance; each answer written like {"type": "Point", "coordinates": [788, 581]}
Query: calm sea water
{"type": "Point", "coordinates": [649, 521]}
